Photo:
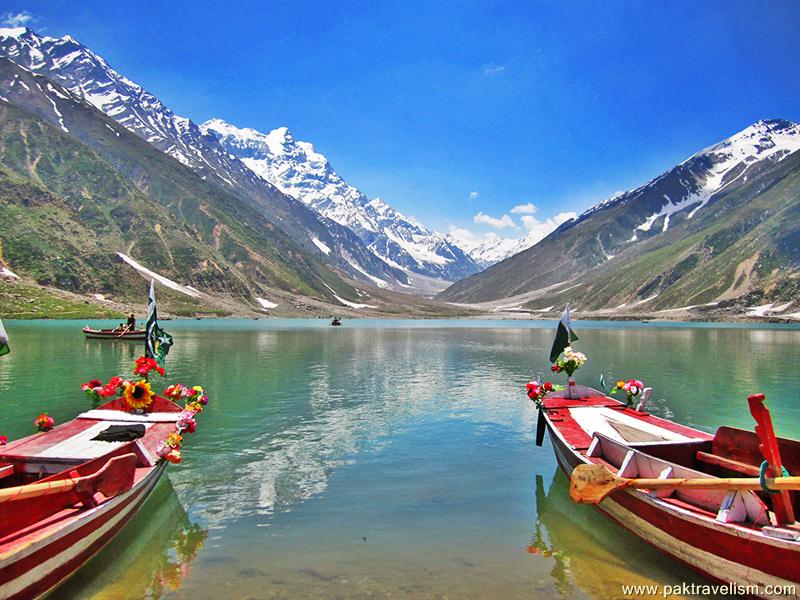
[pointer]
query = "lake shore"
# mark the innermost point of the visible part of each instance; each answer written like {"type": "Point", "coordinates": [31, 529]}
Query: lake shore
{"type": "Point", "coordinates": [24, 300]}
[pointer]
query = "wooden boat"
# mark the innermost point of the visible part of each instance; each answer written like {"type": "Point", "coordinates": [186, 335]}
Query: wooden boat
{"type": "Point", "coordinates": [336, 322]}
{"type": "Point", "coordinates": [114, 334]}
{"type": "Point", "coordinates": [64, 495]}
{"type": "Point", "coordinates": [728, 536]}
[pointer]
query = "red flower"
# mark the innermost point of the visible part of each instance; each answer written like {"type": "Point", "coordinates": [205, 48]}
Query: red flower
{"type": "Point", "coordinates": [44, 422]}
{"type": "Point", "coordinates": [3, 440]}
{"type": "Point", "coordinates": [548, 387]}
{"type": "Point", "coordinates": [555, 369]}
{"type": "Point", "coordinates": [144, 365]}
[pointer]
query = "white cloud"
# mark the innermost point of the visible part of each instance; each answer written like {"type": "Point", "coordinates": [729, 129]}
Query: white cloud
{"type": "Point", "coordinates": [464, 238]}
{"type": "Point", "coordinates": [493, 69]}
{"type": "Point", "coordinates": [498, 223]}
{"type": "Point", "coordinates": [20, 19]}
{"type": "Point", "coordinates": [538, 230]}
{"type": "Point", "coordinates": [473, 195]}
{"type": "Point", "coordinates": [524, 209]}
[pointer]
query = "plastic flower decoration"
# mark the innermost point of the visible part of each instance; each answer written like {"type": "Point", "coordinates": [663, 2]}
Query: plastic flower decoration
{"type": "Point", "coordinates": [138, 394]}
{"type": "Point", "coordinates": [569, 361]}
{"type": "Point", "coordinates": [144, 365]}
{"type": "Point", "coordinates": [170, 449]}
{"type": "Point", "coordinates": [632, 388]}
{"type": "Point", "coordinates": [186, 422]}
{"type": "Point", "coordinates": [97, 392]}
{"type": "Point", "coordinates": [3, 440]}
{"type": "Point", "coordinates": [44, 422]}
{"type": "Point", "coordinates": [537, 391]}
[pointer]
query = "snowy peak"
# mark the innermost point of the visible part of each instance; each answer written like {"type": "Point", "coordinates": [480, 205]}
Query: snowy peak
{"type": "Point", "coordinates": [690, 186]}
{"type": "Point", "coordinates": [77, 69]}
{"type": "Point", "coordinates": [297, 169]}
{"type": "Point", "coordinates": [766, 138]}
{"type": "Point", "coordinates": [88, 76]}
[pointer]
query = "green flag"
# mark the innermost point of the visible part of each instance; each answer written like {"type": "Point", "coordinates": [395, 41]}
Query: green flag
{"type": "Point", "coordinates": [158, 342]}
{"type": "Point", "coordinates": [4, 349]}
{"type": "Point", "coordinates": [564, 336]}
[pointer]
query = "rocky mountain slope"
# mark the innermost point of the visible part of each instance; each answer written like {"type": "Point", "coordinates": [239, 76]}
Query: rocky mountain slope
{"type": "Point", "coordinates": [79, 193]}
{"type": "Point", "coordinates": [718, 228]}
{"type": "Point", "coordinates": [297, 169]}
{"type": "Point", "coordinates": [88, 76]}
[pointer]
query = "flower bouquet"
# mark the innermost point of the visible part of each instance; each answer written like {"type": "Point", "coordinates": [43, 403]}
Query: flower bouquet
{"type": "Point", "coordinates": [537, 391]}
{"type": "Point", "coordinates": [632, 388]}
{"type": "Point", "coordinates": [138, 395]}
{"type": "Point", "coordinates": [44, 422]}
{"type": "Point", "coordinates": [569, 361]}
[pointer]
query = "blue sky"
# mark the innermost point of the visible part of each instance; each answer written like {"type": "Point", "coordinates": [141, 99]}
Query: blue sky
{"type": "Point", "coordinates": [452, 109]}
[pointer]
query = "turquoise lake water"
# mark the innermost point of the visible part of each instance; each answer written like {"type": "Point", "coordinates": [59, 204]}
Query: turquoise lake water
{"type": "Point", "coordinates": [386, 458]}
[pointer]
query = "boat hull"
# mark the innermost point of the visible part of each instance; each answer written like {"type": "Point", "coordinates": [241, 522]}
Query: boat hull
{"type": "Point", "coordinates": [100, 334]}
{"type": "Point", "coordinates": [33, 570]}
{"type": "Point", "coordinates": [759, 566]}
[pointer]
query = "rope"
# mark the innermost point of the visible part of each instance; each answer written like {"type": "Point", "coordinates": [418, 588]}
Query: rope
{"type": "Point", "coordinates": [762, 478]}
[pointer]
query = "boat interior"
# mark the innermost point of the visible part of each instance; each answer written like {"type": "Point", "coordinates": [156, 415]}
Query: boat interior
{"type": "Point", "coordinates": [731, 452]}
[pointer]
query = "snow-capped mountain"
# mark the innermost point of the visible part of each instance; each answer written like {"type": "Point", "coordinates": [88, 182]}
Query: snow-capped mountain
{"type": "Point", "coordinates": [494, 248]}
{"type": "Point", "coordinates": [87, 75]}
{"type": "Point", "coordinates": [297, 169]}
{"type": "Point", "coordinates": [690, 186]}
{"type": "Point", "coordinates": [696, 214]}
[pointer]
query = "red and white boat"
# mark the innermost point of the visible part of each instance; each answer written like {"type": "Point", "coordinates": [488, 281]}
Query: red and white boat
{"type": "Point", "coordinates": [114, 334]}
{"type": "Point", "coordinates": [64, 495]}
{"type": "Point", "coordinates": [730, 537]}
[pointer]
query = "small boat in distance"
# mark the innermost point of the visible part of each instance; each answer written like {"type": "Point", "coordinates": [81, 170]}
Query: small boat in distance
{"type": "Point", "coordinates": [336, 322]}
{"type": "Point", "coordinates": [66, 492]}
{"type": "Point", "coordinates": [114, 334]}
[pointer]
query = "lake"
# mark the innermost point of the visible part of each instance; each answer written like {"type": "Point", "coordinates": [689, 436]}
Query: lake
{"type": "Point", "coordinates": [386, 458]}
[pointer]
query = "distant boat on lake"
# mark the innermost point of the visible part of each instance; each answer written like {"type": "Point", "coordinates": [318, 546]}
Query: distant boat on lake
{"type": "Point", "coordinates": [114, 334]}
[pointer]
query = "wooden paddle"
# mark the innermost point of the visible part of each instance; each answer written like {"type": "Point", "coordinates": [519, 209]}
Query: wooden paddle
{"type": "Point", "coordinates": [113, 478]}
{"type": "Point", "coordinates": [591, 483]}
{"type": "Point", "coordinates": [782, 504]}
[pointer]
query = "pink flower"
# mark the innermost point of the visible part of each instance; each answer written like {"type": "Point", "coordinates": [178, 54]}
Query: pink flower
{"type": "Point", "coordinates": [633, 386]}
{"type": "Point", "coordinates": [186, 421]}
{"type": "Point", "coordinates": [163, 449]}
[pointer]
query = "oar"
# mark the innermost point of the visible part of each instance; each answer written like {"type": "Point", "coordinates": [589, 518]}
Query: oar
{"type": "Point", "coordinates": [782, 504]}
{"type": "Point", "coordinates": [115, 477]}
{"type": "Point", "coordinates": [591, 483]}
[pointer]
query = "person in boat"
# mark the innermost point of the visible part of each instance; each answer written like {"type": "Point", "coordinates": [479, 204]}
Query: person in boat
{"type": "Point", "coordinates": [131, 322]}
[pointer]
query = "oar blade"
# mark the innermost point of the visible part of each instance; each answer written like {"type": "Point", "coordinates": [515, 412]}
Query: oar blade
{"type": "Point", "coordinates": [591, 483]}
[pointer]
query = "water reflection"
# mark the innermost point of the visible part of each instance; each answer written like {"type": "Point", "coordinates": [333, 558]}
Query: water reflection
{"type": "Point", "coordinates": [148, 559]}
{"type": "Point", "coordinates": [417, 439]}
{"type": "Point", "coordinates": [590, 554]}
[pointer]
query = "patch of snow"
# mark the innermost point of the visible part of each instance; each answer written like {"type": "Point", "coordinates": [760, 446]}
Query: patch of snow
{"type": "Point", "coordinates": [653, 297]}
{"type": "Point", "coordinates": [347, 302]}
{"type": "Point", "coordinates": [266, 303]}
{"type": "Point", "coordinates": [690, 307]}
{"type": "Point", "coordinates": [321, 245]}
{"type": "Point", "coordinates": [543, 310]}
{"type": "Point", "coordinates": [189, 291]}
{"type": "Point", "coordinates": [766, 310]}
{"type": "Point", "coordinates": [7, 274]}
{"type": "Point", "coordinates": [376, 280]}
